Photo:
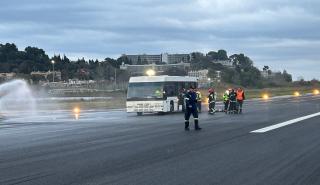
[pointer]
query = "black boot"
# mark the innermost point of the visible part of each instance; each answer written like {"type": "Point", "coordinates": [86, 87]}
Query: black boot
{"type": "Point", "coordinates": [186, 126]}
{"type": "Point", "coordinates": [196, 125]}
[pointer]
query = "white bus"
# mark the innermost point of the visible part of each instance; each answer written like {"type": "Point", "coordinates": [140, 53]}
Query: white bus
{"type": "Point", "coordinates": [147, 94]}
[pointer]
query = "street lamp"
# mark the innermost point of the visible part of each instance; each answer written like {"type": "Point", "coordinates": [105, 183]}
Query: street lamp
{"type": "Point", "coordinates": [150, 72]}
{"type": "Point", "coordinates": [265, 96]}
{"type": "Point", "coordinates": [52, 62]}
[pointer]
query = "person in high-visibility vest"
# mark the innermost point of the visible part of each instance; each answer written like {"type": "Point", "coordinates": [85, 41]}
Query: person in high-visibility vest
{"type": "Point", "coordinates": [240, 99]}
{"type": "Point", "coordinates": [226, 100]}
{"type": "Point", "coordinates": [212, 100]}
{"type": "Point", "coordinates": [199, 97]}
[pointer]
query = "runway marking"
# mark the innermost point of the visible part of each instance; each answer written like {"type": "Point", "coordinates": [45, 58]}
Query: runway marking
{"type": "Point", "coordinates": [279, 125]}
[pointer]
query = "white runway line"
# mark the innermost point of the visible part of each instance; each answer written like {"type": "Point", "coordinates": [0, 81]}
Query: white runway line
{"type": "Point", "coordinates": [279, 125]}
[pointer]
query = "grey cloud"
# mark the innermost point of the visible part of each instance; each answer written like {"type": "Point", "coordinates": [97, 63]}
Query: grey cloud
{"type": "Point", "coordinates": [269, 31]}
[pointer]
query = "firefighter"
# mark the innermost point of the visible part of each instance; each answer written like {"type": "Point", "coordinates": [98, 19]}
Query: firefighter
{"type": "Point", "coordinates": [199, 97]}
{"type": "Point", "coordinates": [232, 101]}
{"type": "Point", "coordinates": [191, 108]}
{"type": "Point", "coordinates": [212, 100]}
{"type": "Point", "coordinates": [226, 100]}
{"type": "Point", "coordinates": [240, 99]}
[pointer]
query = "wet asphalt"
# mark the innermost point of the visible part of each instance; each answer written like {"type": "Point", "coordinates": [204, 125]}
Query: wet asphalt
{"type": "Point", "coordinates": [113, 147]}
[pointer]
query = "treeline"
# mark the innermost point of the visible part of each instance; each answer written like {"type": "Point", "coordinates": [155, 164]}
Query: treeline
{"type": "Point", "coordinates": [31, 59]}
{"type": "Point", "coordinates": [34, 59]}
{"type": "Point", "coordinates": [242, 71]}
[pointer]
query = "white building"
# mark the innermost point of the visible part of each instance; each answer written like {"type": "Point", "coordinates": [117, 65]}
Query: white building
{"type": "Point", "coordinates": [7, 76]}
{"type": "Point", "coordinates": [202, 77]}
{"type": "Point", "coordinates": [57, 74]}
{"type": "Point", "coordinates": [158, 59]}
{"type": "Point", "coordinates": [226, 63]}
{"type": "Point", "coordinates": [175, 58]}
{"type": "Point", "coordinates": [268, 73]}
{"type": "Point", "coordinates": [144, 59]}
{"type": "Point", "coordinates": [135, 70]}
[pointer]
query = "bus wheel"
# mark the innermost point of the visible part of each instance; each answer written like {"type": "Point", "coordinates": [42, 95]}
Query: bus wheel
{"type": "Point", "coordinates": [171, 106]}
{"type": "Point", "coordinates": [139, 113]}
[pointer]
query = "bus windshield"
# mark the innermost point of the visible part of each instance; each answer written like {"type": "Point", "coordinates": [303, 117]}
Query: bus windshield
{"type": "Point", "coordinates": [145, 90]}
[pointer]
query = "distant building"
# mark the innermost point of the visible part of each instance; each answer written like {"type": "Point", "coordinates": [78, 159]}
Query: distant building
{"type": "Point", "coordinates": [268, 73]}
{"type": "Point", "coordinates": [226, 63]}
{"type": "Point", "coordinates": [158, 59]}
{"type": "Point", "coordinates": [7, 76]}
{"type": "Point", "coordinates": [57, 74]}
{"type": "Point", "coordinates": [135, 70]}
{"type": "Point", "coordinates": [202, 76]}
{"type": "Point", "coordinates": [175, 58]}
{"type": "Point", "coordinates": [144, 59]}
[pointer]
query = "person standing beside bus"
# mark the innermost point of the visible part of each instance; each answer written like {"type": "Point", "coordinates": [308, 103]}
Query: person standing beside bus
{"type": "Point", "coordinates": [181, 101]}
{"type": "Point", "coordinates": [199, 97]}
{"type": "Point", "coordinates": [191, 108]}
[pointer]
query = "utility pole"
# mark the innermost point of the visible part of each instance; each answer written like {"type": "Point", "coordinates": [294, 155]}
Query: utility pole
{"type": "Point", "coordinates": [52, 70]}
{"type": "Point", "coordinates": [115, 77]}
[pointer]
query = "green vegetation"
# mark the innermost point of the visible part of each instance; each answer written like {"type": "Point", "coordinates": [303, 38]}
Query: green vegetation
{"type": "Point", "coordinates": [241, 71]}
{"type": "Point", "coordinates": [34, 59]}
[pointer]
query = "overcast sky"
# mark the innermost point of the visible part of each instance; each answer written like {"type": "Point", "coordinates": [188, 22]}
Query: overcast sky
{"type": "Point", "coordinates": [284, 34]}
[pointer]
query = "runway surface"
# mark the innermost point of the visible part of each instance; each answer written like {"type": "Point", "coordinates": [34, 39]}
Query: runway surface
{"type": "Point", "coordinates": [119, 148]}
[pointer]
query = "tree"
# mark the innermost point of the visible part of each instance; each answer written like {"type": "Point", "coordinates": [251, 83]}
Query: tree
{"type": "Point", "coordinates": [123, 60]}
{"type": "Point", "coordinates": [222, 55]}
{"type": "Point", "coordinates": [38, 58]}
{"type": "Point", "coordinates": [212, 55]}
{"type": "Point", "coordinates": [8, 52]}
{"type": "Point", "coordinates": [113, 62]}
{"type": "Point", "coordinates": [287, 77]}
{"type": "Point", "coordinates": [229, 76]}
{"type": "Point", "coordinates": [196, 57]}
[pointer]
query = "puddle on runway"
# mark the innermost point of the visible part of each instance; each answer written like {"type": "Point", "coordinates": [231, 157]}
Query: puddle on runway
{"type": "Point", "coordinates": [60, 116]}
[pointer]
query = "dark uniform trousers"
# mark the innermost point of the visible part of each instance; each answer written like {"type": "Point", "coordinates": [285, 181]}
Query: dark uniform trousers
{"type": "Point", "coordinates": [187, 115]}
{"type": "Point", "coordinates": [240, 102]}
{"type": "Point", "coordinates": [226, 104]}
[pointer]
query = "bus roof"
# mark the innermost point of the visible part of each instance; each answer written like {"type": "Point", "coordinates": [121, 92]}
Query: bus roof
{"type": "Point", "coordinates": [163, 78]}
